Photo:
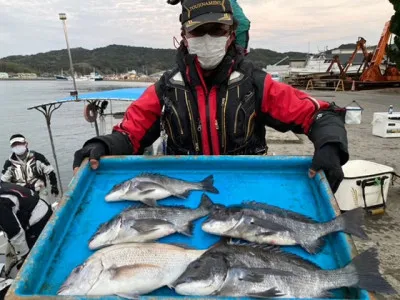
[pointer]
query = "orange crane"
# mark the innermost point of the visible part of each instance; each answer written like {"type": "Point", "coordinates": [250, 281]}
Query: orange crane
{"type": "Point", "coordinates": [360, 45]}
{"type": "Point", "coordinates": [373, 73]}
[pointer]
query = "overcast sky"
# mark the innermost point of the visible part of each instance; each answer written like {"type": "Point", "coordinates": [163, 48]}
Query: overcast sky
{"type": "Point", "coordinates": [32, 26]}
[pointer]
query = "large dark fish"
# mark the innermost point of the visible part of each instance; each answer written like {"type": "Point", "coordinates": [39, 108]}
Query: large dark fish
{"type": "Point", "coordinates": [266, 224]}
{"type": "Point", "coordinates": [235, 254]}
{"type": "Point", "coordinates": [141, 223]}
{"type": "Point", "coordinates": [148, 188]}
{"type": "Point", "coordinates": [214, 274]}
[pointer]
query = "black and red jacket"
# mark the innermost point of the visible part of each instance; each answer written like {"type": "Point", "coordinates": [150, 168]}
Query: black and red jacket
{"type": "Point", "coordinates": [222, 114]}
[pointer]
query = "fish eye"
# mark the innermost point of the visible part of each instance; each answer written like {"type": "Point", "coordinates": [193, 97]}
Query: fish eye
{"type": "Point", "coordinates": [78, 269]}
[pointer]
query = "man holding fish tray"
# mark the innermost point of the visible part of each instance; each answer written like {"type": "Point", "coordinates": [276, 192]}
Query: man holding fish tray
{"type": "Point", "coordinates": [215, 102]}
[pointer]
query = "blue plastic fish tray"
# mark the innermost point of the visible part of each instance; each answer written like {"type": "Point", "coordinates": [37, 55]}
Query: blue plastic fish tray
{"type": "Point", "coordinates": [277, 180]}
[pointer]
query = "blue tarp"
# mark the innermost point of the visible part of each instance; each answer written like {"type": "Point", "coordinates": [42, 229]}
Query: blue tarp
{"type": "Point", "coordinates": [127, 94]}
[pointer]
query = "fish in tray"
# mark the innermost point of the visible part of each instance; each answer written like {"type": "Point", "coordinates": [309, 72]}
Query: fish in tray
{"type": "Point", "coordinates": [269, 273]}
{"type": "Point", "coordinates": [267, 224]}
{"type": "Point", "coordinates": [129, 270]}
{"type": "Point", "coordinates": [148, 188]}
{"type": "Point", "coordinates": [141, 223]}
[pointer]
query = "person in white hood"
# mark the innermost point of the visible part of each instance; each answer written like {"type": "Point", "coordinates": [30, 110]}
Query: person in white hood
{"type": "Point", "coordinates": [29, 168]}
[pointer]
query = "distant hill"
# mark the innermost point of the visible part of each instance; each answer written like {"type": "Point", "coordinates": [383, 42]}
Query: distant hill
{"type": "Point", "coordinates": [116, 59]}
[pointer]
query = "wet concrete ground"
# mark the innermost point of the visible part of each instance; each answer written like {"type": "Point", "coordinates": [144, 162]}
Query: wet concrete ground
{"type": "Point", "coordinates": [383, 230]}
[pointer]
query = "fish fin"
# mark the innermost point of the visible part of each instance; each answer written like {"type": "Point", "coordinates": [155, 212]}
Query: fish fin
{"type": "Point", "coordinates": [129, 270]}
{"type": "Point", "coordinates": [268, 224]}
{"type": "Point", "coordinates": [274, 292]}
{"type": "Point", "coordinates": [134, 205]}
{"type": "Point", "coordinates": [146, 192]}
{"type": "Point", "coordinates": [187, 229]}
{"type": "Point", "coordinates": [208, 185]}
{"type": "Point", "coordinates": [249, 275]}
{"type": "Point", "coordinates": [128, 296]}
{"type": "Point", "coordinates": [313, 246]}
{"type": "Point", "coordinates": [353, 220]}
{"type": "Point", "coordinates": [369, 277]}
{"type": "Point", "coordinates": [257, 274]}
{"type": "Point", "coordinates": [206, 202]}
{"type": "Point", "coordinates": [150, 202]}
{"type": "Point", "coordinates": [272, 209]}
{"type": "Point", "coordinates": [148, 225]}
{"type": "Point", "coordinates": [183, 195]}
{"type": "Point", "coordinates": [326, 294]}
{"type": "Point", "coordinates": [268, 248]}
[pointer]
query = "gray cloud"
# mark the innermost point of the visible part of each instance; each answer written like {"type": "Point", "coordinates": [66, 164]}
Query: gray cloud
{"type": "Point", "coordinates": [31, 26]}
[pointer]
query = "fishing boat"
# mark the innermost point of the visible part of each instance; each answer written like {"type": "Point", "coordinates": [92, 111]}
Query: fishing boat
{"type": "Point", "coordinates": [94, 76]}
{"type": "Point", "coordinates": [62, 77]}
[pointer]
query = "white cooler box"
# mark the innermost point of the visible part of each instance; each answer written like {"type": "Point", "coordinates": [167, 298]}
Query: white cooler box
{"type": "Point", "coordinates": [385, 125]}
{"type": "Point", "coordinates": [365, 184]}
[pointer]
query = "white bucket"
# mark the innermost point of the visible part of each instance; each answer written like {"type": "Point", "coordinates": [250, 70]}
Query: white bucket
{"type": "Point", "coordinates": [365, 184]}
{"type": "Point", "coordinates": [353, 114]}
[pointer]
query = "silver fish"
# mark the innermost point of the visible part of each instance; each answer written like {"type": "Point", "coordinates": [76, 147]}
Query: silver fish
{"type": "Point", "coordinates": [129, 270]}
{"type": "Point", "coordinates": [146, 223]}
{"type": "Point", "coordinates": [213, 274]}
{"type": "Point", "coordinates": [148, 188]}
{"type": "Point", "coordinates": [266, 224]}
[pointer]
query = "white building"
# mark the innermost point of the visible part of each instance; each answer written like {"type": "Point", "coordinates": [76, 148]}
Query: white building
{"type": "Point", "coordinates": [3, 75]}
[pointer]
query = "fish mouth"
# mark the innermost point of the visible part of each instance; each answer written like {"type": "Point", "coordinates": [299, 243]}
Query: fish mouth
{"type": "Point", "coordinates": [93, 245]}
{"type": "Point", "coordinates": [63, 290]}
{"type": "Point", "coordinates": [111, 197]}
{"type": "Point", "coordinates": [178, 287]}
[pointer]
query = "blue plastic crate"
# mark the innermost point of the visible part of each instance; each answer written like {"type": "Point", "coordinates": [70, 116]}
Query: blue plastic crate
{"type": "Point", "coordinates": [277, 180]}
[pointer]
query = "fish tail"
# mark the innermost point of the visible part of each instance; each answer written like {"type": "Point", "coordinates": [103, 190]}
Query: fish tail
{"type": "Point", "coordinates": [351, 222]}
{"type": "Point", "coordinates": [207, 185]}
{"type": "Point", "coordinates": [206, 202]}
{"type": "Point", "coordinates": [366, 265]}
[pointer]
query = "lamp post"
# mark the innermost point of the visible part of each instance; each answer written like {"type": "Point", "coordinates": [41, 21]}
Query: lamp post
{"type": "Point", "coordinates": [63, 18]}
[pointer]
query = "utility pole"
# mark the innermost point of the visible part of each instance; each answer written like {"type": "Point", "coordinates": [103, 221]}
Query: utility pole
{"type": "Point", "coordinates": [63, 18]}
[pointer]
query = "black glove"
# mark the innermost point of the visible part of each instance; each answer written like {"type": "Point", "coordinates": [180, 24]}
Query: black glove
{"type": "Point", "coordinates": [327, 158]}
{"type": "Point", "coordinates": [93, 151]}
{"type": "Point", "coordinates": [54, 190]}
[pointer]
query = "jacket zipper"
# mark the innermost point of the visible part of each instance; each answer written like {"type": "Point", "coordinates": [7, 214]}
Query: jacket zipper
{"type": "Point", "coordinates": [223, 111]}
{"type": "Point", "coordinates": [192, 125]}
{"type": "Point", "coordinates": [170, 130]}
{"type": "Point", "coordinates": [208, 120]}
{"type": "Point", "coordinates": [236, 117]}
{"type": "Point", "coordinates": [248, 125]}
{"type": "Point", "coordinates": [177, 117]}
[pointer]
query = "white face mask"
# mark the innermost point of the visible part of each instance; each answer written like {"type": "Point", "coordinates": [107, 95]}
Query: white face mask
{"type": "Point", "coordinates": [209, 50]}
{"type": "Point", "coordinates": [19, 150]}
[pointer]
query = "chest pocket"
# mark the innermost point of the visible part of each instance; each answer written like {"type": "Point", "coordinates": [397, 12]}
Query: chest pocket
{"type": "Point", "coordinates": [239, 113]}
{"type": "Point", "coordinates": [180, 119]}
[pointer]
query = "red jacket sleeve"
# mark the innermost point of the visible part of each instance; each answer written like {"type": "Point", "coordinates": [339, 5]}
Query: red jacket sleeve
{"type": "Point", "coordinates": [141, 121]}
{"type": "Point", "coordinates": [287, 107]}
